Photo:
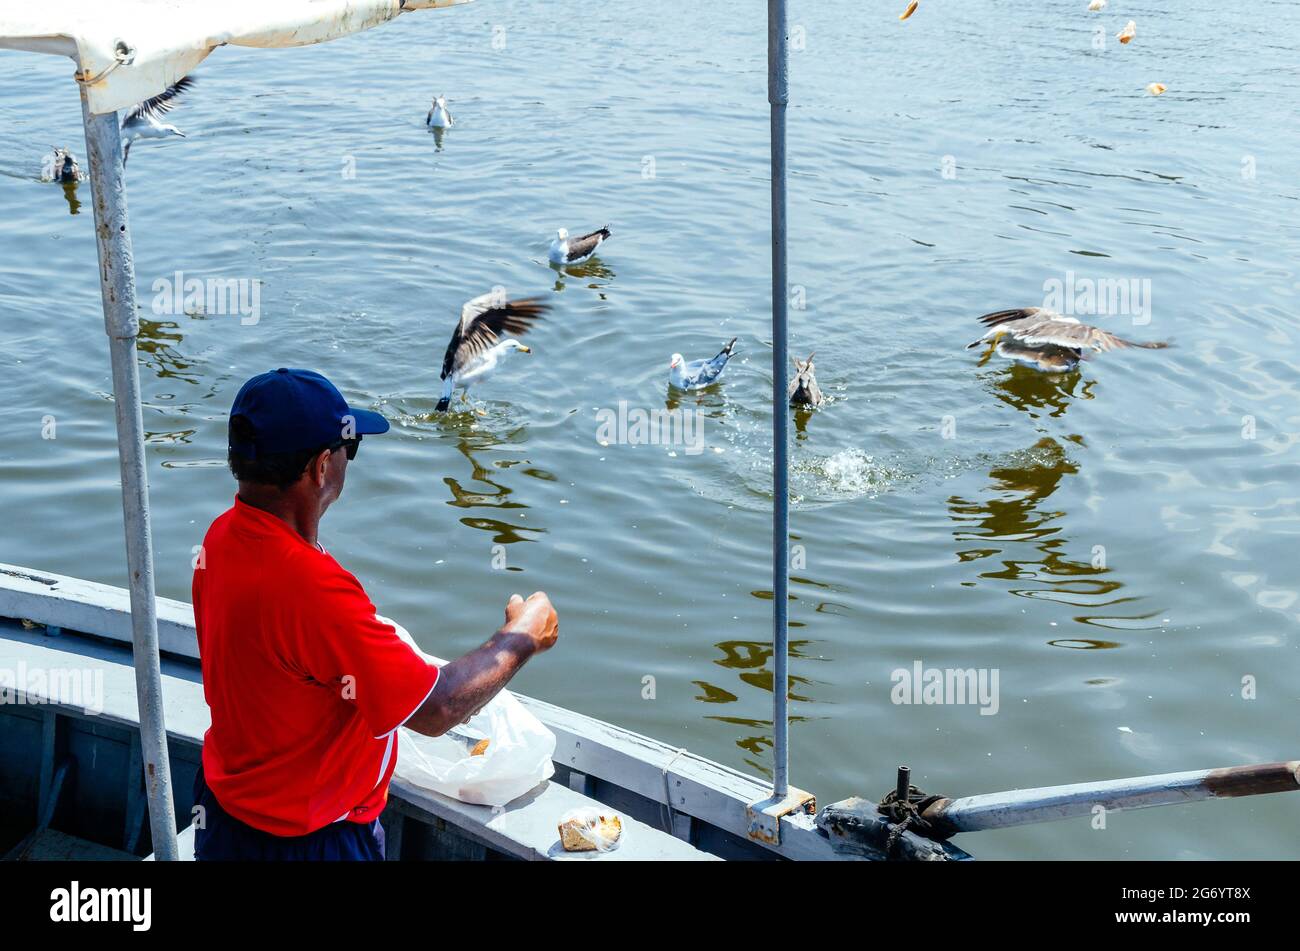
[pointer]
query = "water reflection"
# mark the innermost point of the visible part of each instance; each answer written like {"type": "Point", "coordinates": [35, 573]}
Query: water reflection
{"type": "Point", "coordinates": [750, 664]}
{"type": "Point", "coordinates": [155, 346]}
{"type": "Point", "coordinates": [802, 414]}
{"type": "Point", "coordinates": [751, 661]}
{"type": "Point", "coordinates": [1014, 518]}
{"type": "Point", "coordinates": [487, 491]}
{"type": "Point", "coordinates": [708, 401]}
{"type": "Point", "coordinates": [1015, 526]}
{"type": "Point", "coordinates": [70, 195]}
{"type": "Point", "coordinates": [1036, 393]}
{"type": "Point", "coordinates": [595, 271]}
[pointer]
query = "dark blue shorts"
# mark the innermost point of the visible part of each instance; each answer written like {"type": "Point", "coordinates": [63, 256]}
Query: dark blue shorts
{"type": "Point", "coordinates": [223, 838]}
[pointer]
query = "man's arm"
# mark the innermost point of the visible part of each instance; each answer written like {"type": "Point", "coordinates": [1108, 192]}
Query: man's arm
{"type": "Point", "coordinates": [466, 684]}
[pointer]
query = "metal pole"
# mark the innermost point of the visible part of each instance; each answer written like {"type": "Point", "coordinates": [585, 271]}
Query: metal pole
{"type": "Point", "coordinates": [778, 94]}
{"type": "Point", "coordinates": [1023, 806]}
{"type": "Point", "coordinates": [117, 284]}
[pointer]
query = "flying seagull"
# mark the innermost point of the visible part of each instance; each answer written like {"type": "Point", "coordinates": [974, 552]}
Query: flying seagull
{"type": "Point", "coordinates": [698, 373]}
{"type": "Point", "coordinates": [476, 347]}
{"type": "Point", "coordinates": [439, 117]}
{"type": "Point", "coordinates": [804, 390]}
{"type": "Point", "coordinates": [567, 250]}
{"type": "Point", "coordinates": [1050, 341]}
{"type": "Point", "coordinates": [145, 120]}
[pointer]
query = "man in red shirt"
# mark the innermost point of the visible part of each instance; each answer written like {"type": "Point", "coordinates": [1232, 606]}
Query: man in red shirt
{"type": "Point", "coordinates": [307, 685]}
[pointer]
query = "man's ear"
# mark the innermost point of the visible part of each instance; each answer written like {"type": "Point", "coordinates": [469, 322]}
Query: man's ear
{"type": "Point", "coordinates": [319, 468]}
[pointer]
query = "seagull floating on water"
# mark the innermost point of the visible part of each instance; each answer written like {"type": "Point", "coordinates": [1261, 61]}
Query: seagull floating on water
{"type": "Point", "coordinates": [439, 117]}
{"type": "Point", "coordinates": [476, 347]}
{"type": "Point", "coordinates": [804, 390]}
{"type": "Point", "coordinates": [698, 373]}
{"type": "Point", "coordinates": [1053, 342]}
{"type": "Point", "coordinates": [144, 120]}
{"type": "Point", "coordinates": [567, 250]}
{"type": "Point", "coordinates": [63, 168]}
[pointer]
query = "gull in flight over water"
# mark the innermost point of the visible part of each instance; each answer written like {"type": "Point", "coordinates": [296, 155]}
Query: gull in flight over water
{"type": "Point", "coordinates": [698, 374]}
{"type": "Point", "coordinates": [145, 120]}
{"type": "Point", "coordinates": [476, 348]}
{"type": "Point", "coordinates": [1049, 341]}
{"type": "Point", "coordinates": [439, 117]}
{"type": "Point", "coordinates": [567, 250]}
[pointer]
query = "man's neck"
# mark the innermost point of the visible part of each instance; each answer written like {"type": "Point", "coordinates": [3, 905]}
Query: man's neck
{"type": "Point", "coordinates": [294, 508]}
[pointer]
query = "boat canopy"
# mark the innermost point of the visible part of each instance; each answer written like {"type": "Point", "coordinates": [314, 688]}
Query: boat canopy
{"type": "Point", "coordinates": [129, 50]}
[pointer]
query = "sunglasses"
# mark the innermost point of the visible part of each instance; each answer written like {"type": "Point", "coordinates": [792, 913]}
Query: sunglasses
{"type": "Point", "coordinates": [350, 445]}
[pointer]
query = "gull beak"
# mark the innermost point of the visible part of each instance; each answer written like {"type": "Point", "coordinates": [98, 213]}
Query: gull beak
{"type": "Point", "coordinates": [523, 348]}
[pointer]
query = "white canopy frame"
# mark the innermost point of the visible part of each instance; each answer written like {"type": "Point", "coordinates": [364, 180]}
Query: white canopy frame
{"type": "Point", "coordinates": [129, 50]}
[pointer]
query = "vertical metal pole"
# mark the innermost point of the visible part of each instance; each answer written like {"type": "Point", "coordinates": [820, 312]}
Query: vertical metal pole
{"type": "Point", "coordinates": [778, 94]}
{"type": "Point", "coordinates": [117, 284]}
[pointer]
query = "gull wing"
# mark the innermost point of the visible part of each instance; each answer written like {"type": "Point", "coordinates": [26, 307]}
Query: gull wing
{"type": "Point", "coordinates": [482, 321]}
{"type": "Point", "coordinates": [160, 104]}
{"type": "Point", "coordinates": [1037, 326]}
{"type": "Point", "coordinates": [581, 247]}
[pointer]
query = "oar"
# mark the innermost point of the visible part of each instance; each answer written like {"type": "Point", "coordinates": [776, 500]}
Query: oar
{"type": "Point", "coordinates": [1023, 806]}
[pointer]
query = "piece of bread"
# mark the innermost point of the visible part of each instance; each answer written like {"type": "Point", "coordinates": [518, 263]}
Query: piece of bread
{"type": "Point", "coordinates": [590, 831]}
{"type": "Point", "coordinates": [480, 747]}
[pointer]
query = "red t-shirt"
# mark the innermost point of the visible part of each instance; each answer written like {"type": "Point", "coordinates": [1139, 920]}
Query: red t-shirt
{"type": "Point", "coordinates": [307, 687]}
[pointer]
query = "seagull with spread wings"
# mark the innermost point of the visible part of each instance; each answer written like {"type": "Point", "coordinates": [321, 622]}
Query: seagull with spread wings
{"type": "Point", "coordinates": [1053, 342]}
{"type": "Point", "coordinates": [145, 120]}
{"type": "Point", "coordinates": [477, 347]}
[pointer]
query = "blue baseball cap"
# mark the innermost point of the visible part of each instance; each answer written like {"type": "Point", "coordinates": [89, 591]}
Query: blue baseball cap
{"type": "Point", "coordinates": [293, 410]}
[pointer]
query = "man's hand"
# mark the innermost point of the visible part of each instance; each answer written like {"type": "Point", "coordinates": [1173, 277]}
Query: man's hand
{"type": "Point", "coordinates": [467, 683]}
{"type": "Point", "coordinates": [535, 619]}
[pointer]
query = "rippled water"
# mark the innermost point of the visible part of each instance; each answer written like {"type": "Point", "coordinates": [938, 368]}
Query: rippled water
{"type": "Point", "coordinates": [1119, 543]}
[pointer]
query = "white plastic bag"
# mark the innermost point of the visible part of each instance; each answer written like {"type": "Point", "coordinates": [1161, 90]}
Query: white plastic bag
{"type": "Point", "coordinates": [518, 755]}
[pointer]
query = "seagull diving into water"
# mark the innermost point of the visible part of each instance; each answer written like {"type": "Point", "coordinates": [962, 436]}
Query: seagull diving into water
{"type": "Point", "coordinates": [698, 374]}
{"type": "Point", "coordinates": [804, 390]}
{"type": "Point", "coordinates": [476, 347]}
{"type": "Point", "coordinates": [439, 117]}
{"type": "Point", "coordinates": [144, 120]}
{"type": "Point", "coordinates": [63, 168]}
{"type": "Point", "coordinates": [567, 250]}
{"type": "Point", "coordinates": [1042, 338]}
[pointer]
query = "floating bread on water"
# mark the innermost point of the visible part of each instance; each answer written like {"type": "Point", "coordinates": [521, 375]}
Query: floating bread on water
{"type": "Point", "coordinates": [911, 8]}
{"type": "Point", "coordinates": [1156, 88]}
{"type": "Point", "coordinates": [590, 830]}
{"type": "Point", "coordinates": [1130, 30]}
{"type": "Point", "coordinates": [1097, 5]}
